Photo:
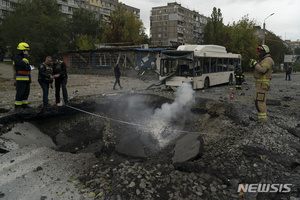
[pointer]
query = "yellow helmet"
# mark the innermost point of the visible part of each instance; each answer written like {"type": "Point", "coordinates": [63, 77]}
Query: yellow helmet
{"type": "Point", "coordinates": [23, 46]}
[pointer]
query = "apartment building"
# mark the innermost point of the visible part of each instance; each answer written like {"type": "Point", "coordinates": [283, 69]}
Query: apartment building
{"type": "Point", "coordinates": [65, 6]}
{"type": "Point", "coordinates": [174, 24]}
{"type": "Point", "coordinates": [6, 6]}
{"type": "Point", "coordinates": [102, 8]}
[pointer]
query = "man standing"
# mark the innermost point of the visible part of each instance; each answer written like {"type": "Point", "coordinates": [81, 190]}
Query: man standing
{"type": "Point", "coordinates": [117, 75]}
{"type": "Point", "coordinates": [45, 78]}
{"type": "Point", "coordinates": [262, 77]}
{"type": "Point", "coordinates": [60, 72]}
{"type": "Point", "coordinates": [23, 78]}
{"type": "Point", "coordinates": [288, 72]}
{"type": "Point", "coordinates": [239, 77]}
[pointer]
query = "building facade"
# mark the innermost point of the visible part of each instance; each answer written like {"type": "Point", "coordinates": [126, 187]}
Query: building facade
{"type": "Point", "coordinates": [173, 25]}
{"type": "Point", "coordinates": [5, 7]}
{"type": "Point", "coordinates": [102, 8]}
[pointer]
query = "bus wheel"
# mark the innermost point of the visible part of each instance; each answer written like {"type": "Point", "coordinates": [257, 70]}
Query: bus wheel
{"type": "Point", "coordinates": [230, 80]}
{"type": "Point", "coordinates": [206, 82]}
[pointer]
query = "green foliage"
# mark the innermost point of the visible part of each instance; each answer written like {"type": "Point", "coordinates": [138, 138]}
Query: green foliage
{"type": "Point", "coordinates": [86, 42]}
{"type": "Point", "coordinates": [214, 30]}
{"type": "Point", "coordinates": [83, 22]}
{"type": "Point", "coordinates": [243, 40]}
{"type": "Point", "coordinates": [239, 37]}
{"type": "Point", "coordinates": [277, 48]}
{"type": "Point", "coordinates": [297, 51]}
{"type": "Point", "coordinates": [38, 23]}
{"type": "Point", "coordinates": [124, 28]}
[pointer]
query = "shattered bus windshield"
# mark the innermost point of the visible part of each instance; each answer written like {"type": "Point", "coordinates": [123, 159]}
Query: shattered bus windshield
{"type": "Point", "coordinates": [179, 62]}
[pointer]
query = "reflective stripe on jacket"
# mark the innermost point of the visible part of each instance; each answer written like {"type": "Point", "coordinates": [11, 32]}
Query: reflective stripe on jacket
{"type": "Point", "coordinates": [22, 67]}
{"type": "Point", "coordinates": [263, 70]}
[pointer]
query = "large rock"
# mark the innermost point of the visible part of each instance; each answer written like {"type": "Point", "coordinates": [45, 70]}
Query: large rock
{"type": "Point", "coordinates": [131, 146]}
{"type": "Point", "coordinates": [187, 148]}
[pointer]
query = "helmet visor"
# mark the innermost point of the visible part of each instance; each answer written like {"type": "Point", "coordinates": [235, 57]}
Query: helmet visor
{"type": "Point", "coordinates": [258, 49]}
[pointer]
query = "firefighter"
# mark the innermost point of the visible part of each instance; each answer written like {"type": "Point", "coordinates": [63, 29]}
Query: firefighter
{"type": "Point", "coordinates": [239, 77]}
{"type": "Point", "coordinates": [262, 77]}
{"type": "Point", "coordinates": [23, 78]}
{"type": "Point", "coordinates": [61, 79]}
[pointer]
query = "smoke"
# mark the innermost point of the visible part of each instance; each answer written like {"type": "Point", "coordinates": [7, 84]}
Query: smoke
{"type": "Point", "coordinates": [164, 115]}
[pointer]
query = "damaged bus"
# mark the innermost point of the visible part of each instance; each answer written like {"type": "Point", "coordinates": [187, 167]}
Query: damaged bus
{"type": "Point", "coordinates": [201, 65]}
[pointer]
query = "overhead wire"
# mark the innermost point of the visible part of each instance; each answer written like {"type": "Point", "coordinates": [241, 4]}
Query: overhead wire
{"type": "Point", "coordinates": [147, 127]}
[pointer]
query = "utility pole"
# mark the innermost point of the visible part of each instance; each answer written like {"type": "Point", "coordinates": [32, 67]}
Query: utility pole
{"type": "Point", "coordinates": [264, 27]}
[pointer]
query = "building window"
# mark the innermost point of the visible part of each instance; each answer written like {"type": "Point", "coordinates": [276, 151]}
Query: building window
{"type": "Point", "coordinates": [5, 3]}
{"type": "Point", "coordinates": [64, 9]}
{"type": "Point", "coordinates": [159, 35]}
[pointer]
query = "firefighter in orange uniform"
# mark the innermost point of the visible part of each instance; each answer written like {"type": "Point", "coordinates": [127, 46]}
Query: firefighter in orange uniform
{"type": "Point", "coordinates": [23, 77]}
{"type": "Point", "coordinates": [262, 77]}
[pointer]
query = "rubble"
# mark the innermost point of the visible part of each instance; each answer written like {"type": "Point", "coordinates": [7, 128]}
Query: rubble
{"type": "Point", "coordinates": [221, 144]}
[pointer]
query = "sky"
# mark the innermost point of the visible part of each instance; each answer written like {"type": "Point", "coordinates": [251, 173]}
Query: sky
{"type": "Point", "coordinates": [285, 22]}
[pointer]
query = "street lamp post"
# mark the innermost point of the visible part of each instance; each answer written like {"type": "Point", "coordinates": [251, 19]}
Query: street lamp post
{"type": "Point", "coordinates": [265, 27]}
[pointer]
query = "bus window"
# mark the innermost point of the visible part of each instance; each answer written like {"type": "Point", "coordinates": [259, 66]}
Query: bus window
{"type": "Point", "coordinates": [220, 64]}
{"type": "Point", "coordinates": [198, 68]}
{"type": "Point", "coordinates": [184, 70]}
{"type": "Point", "coordinates": [219, 68]}
{"type": "Point", "coordinates": [213, 65]}
{"type": "Point", "coordinates": [230, 64]}
{"type": "Point", "coordinates": [206, 65]}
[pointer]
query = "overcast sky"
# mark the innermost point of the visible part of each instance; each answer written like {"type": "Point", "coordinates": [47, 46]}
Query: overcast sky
{"type": "Point", "coordinates": [284, 23]}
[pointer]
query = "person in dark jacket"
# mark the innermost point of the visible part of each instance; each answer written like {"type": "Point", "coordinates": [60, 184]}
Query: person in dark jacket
{"type": "Point", "coordinates": [61, 79]}
{"type": "Point", "coordinates": [288, 73]}
{"type": "Point", "coordinates": [45, 78]}
{"type": "Point", "coordinates": [23, 78]}
{"type": "Point", "coordinates": [117, 75]}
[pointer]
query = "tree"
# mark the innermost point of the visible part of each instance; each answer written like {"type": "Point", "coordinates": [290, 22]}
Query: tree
{"type": "Point", "coordinates": [214, 29]}
{"type": "Point", "coordinates": [276, 46]}
{"type": "Point", "coordinates": [297, 51]}
{"type": "Point", "coordinates": [85, 42]}
{"type": "Point", "coordinates": [38, 23]}
{"type": "Point", "coordinates": [243, 40]}
{"type": "Point", "coordinates": [124, 28]}
{"type": "Point", "coordinates": [83, 22]}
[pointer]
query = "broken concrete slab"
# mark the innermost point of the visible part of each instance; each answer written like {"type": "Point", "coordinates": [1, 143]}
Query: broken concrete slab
{"type": "Point", "coordinates": [188, 147]}
{"type": "Point", "coordinates": [24, 134]}
{"type": "Point", "coordinates": [131, 146]}
{"type": "Point", "coordinates": [34, 172]}
{"type": "Point", "coordinates": [273, 102]}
